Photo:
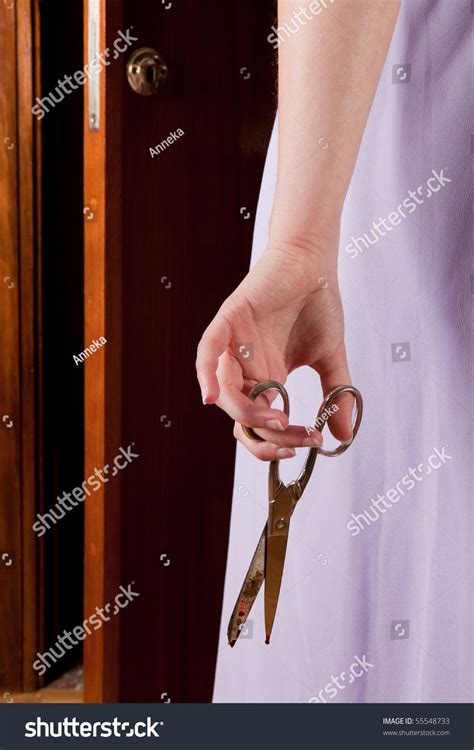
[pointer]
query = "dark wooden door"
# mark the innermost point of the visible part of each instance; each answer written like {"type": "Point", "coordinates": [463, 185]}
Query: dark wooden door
{"type": "Point", "coordinates": [167, 242]}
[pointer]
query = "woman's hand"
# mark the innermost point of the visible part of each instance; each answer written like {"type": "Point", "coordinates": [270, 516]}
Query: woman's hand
{"type": "Point", "coordinates": [289, 309]}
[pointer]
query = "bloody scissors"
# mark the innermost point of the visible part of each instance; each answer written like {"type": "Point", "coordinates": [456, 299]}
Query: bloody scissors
{"type": "Point", "coordinates": [269, 557]}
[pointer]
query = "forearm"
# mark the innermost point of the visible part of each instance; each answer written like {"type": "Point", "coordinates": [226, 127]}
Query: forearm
{"type": "Point", "coordinates": [328, 73]}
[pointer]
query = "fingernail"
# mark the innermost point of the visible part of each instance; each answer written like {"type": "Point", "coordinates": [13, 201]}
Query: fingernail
{"type": "Point", "coordinates": [312, 442]}
{"type": "Point", "coordinates": [204, 395]}
{"type": "Point", "coordinates": [274, 424]}
{"type": "Point", "coordinates": [286, 452]}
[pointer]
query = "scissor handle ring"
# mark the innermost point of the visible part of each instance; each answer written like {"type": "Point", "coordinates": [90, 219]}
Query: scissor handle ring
{"type": "Point", "coordinates": [342, 447]}
{"type": "Point", "coordinates": [305, 473]}
{"type": "Point", "coordinates": [267, 385]}
{"type": "Point", "coordinates": [304, 476]}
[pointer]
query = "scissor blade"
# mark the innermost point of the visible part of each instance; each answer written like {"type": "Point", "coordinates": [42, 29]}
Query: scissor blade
{"type": "Point", "coordinates": [249, 591]}
{"type": "Point", "coordinates": [278, 526]}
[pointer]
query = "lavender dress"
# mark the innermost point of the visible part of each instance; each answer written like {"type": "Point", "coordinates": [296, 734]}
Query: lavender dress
{"type": "Point", "coordinates": [376, 595]}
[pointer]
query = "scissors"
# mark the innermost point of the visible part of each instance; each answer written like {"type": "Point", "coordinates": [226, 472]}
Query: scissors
{"type": "Point", "coordinates": [269, 557]}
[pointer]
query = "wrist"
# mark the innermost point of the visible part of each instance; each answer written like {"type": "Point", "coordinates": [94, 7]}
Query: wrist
{"type": "Point", "coordinates": [308, 263]}
{"type": "Point", "coordinates": [318, 249]}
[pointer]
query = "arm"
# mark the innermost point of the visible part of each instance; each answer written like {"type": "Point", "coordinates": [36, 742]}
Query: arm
{"type": "Point", "coordinates": [328, 74]}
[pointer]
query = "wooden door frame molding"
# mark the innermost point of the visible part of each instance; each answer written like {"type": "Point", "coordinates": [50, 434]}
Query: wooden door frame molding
{"type": "Point", "coordinates": [20, 167]}
{"type": "Point", "coordinates": [102, 372]}
{"type": "Point", "coordinates": [29, 173]}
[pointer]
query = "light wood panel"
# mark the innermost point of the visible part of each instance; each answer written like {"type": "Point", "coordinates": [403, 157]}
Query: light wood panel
{"type": "Point", "coordinates": [102, 372]}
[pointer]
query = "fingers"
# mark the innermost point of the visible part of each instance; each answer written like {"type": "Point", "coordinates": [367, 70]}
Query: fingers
{"type": "Point", "coordinates": [293, 437]}
{"type": "Point", "coordinates": [215, 340]}
{"type": "Point", "coordinates": [278, 445]}
{"type": "Point", "coordinates": [333, 372]}
{"type": "Point", "coordinates": [242, 409]}
{"type": "Point", "coordinates": [221, 380]}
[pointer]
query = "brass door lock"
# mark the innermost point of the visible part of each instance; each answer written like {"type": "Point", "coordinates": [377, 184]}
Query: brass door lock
{"type": "Point", "coordinates": [146, 70]}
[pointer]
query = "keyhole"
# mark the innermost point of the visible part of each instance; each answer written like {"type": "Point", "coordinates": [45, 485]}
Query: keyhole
{"type": "Point", "coordinates": [145, 71]}
{"type": "Point", "coordinates": [150, 74]}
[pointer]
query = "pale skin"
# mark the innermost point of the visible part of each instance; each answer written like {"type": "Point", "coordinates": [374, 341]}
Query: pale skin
{"type": "Point", "coordinates": [289, 304]}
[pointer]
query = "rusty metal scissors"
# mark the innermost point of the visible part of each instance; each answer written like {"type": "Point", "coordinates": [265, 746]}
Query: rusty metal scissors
{"type": "Point", "coordinates": [269, 557]}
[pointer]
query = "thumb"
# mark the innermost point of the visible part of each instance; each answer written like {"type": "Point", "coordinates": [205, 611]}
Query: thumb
{"type": "Point", "coordinates": [334, 371]}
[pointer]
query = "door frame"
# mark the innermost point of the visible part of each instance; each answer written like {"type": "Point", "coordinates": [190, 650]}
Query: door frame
{"type": "Point", "coordinates": [102, 372]}
{"type": "Point", "coordinates": [20, 314]}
